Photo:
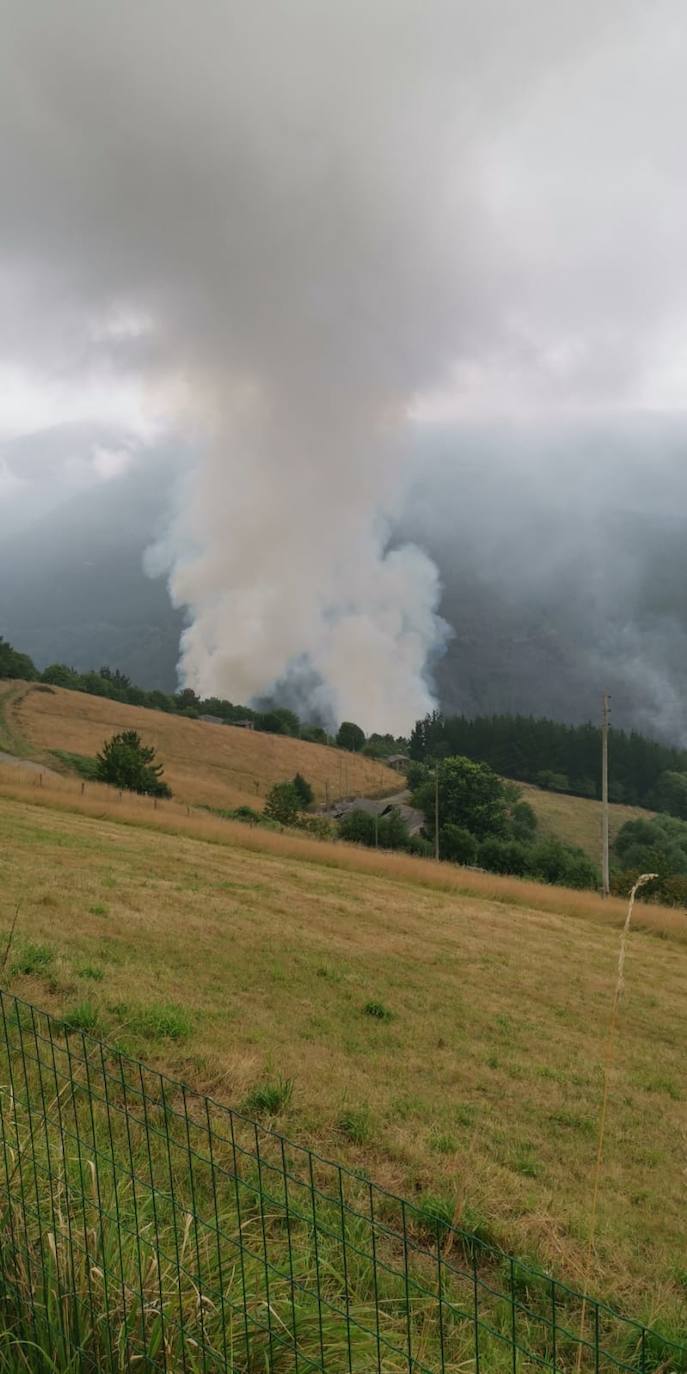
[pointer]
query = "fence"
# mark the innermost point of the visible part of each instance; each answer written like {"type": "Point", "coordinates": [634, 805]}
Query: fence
{"type": "Point", "coordinates": [142, 1226]}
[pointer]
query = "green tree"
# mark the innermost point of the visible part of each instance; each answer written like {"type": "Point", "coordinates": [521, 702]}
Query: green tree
{"type": "Point", "coordinates": [523, 822]}
{"type": "Point", "coordinates": [15, 665]}
{"type": "Point", "coordinates": [61, 675]}
{"type": "Point", "coordinates": [187, 703]}
{"type": "Point", "coordinates": [350, 736]}
{"type": "Point", "coordinates": [314, 734]}
{"type": "Point", "coordinates": [306, 796]}
{"type": "Point", "coordinates": [283, 803]}
{"type": "Point", "coordinates": [278, 721]}
{"type": "Point", "coordinates": [671, 794]}
{"type": "Point", "coordinates": [392, 831]}
{"type": "Point", "coordinates": [127, 762]}
{"type": "Point", "coordinates": [470, 795]}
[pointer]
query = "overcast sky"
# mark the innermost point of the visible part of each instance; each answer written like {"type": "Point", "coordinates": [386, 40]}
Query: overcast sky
{"type": "Point", "coordinates": [303, 240]}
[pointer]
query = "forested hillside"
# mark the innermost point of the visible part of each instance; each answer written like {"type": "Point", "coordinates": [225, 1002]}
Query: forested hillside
{"type": "Point", "coordinates": [564, 758]}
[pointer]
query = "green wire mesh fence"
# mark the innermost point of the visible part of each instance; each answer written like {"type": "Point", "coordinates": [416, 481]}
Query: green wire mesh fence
{"type": "Point", "coordinates": [143, 1226]}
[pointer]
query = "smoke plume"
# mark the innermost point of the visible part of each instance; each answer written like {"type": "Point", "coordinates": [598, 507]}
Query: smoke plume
{"type": "Point", "coordinates": [289, 225]}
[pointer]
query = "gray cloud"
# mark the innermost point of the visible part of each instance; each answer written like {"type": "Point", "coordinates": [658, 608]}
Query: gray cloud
{"type": "Point", "coordinates": [316, 214]}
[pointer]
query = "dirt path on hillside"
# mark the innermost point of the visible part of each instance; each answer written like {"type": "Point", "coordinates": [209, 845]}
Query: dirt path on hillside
{"type": "Point", "coordinates": [28, 764]}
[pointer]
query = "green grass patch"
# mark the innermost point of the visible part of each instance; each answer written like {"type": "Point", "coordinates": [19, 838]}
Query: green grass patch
{"type": "Point", "coordinates": [83, 764]}
{"type": "Point", "coordinates": [442, 1144]}
{"type": "Point", "coordinates": [91, 971]}
{"type": "Point", "coordinates": [33, 958]}
{"type": "Point", "coordinates": [158, 1021]}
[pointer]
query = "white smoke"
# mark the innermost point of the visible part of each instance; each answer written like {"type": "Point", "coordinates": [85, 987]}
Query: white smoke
{"type": "Point", "coordinates": [290, 202]}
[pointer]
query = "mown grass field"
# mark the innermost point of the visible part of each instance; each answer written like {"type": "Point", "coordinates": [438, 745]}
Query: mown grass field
{"type": "Point", "coordinates": [215, 765]}
{"type": "Point", "coordinates": [448, 1043]}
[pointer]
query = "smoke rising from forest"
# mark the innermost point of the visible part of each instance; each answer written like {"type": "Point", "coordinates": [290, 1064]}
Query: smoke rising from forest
{"type": "Point", "coordinates": [277, 232]}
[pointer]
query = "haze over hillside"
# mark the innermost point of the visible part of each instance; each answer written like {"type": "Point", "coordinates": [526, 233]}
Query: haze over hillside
{"type": "Point", "coordinates": [554, 588]}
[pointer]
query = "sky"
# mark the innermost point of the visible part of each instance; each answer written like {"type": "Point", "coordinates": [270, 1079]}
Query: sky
{"type": "Point", "coordinates": [400, 287]}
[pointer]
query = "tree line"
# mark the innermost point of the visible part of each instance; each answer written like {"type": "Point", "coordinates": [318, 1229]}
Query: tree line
{"type": "Point", "coordinates": [563, 758]}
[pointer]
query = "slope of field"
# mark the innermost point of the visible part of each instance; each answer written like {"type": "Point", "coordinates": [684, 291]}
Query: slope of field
{"type": "Point", "coordinates": [215, 765]}
{"type": "Point", "coordinates": [447, 1045]}
{"type": "Point", "coordinates": [577, 819]}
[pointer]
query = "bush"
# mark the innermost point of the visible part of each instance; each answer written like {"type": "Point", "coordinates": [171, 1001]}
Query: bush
{"type": "Point", "coordinates": [554, 862]}
{"type": "Point", "coordinates": [420, 846]}
{"type": "Point", "coordinates": [499, 855]}
{"type": "Point", "coordinates": [358, 827]}
{"type": "Point", "coordinates": [318, 826]}
{"type": "Point", "coordinates": [282, 803]}
{"type": "Point", "coordinates": [457, 844]}
{"type": "Point", "coordinates": [128, 763]}
{"type": "Point", "coordinates": [350, 736]}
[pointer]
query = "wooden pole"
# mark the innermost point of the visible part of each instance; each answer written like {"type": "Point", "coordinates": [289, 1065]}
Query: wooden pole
{"type": "Point", "coordinates": [605, 869]}
{"type": "Point", "coordinates": [436, 811]}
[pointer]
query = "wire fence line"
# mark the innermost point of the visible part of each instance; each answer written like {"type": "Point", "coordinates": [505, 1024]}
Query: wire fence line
{"type": "Point", "coordinates": [145, 1227]}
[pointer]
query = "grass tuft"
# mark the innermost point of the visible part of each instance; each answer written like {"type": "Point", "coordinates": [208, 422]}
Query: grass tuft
{"type": "Point", "coordinates": [269, 1099]}
{"type": "Point", "coordinates": [83, 1017]}
{"type": "Point", "coordinates": [356, 1125]}
{"type": "Point", "coordinates": [435, 1216]}
{"type": "Point", "coordinates": [378, 1011]}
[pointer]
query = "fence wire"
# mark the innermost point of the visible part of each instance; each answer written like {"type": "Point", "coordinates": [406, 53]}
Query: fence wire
{"type": "Point", "coordinates": [145, 1227]}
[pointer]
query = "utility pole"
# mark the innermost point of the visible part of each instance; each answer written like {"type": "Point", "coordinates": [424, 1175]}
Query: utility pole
{"type": "Point", "coordinates": [605, 876]}
{"type": "Point", "coordinates": [436, 811]}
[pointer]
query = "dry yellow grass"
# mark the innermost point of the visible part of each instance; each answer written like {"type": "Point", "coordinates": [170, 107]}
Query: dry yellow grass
{"type": "Point", "coordinates": [94, 799]}
{"type": "Point", "coordinates": [215, 765]}
{"type": "Point", "coordinates": [483, 1086]}
{"type": "Point", "coordinates": [577, 819]}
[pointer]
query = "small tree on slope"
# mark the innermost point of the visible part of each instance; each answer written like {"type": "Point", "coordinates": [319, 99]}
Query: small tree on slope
{"type": "Point", "coordinates": [127, 762]}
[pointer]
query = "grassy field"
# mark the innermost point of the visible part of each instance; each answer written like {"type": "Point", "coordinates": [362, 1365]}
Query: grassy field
{"type": "Point", "coordinates": [577, 819]}
{"type": "Point", "coordinates": [213, 765]}
{"type": "Point", "coordinates": [449, 1043]}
